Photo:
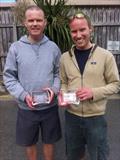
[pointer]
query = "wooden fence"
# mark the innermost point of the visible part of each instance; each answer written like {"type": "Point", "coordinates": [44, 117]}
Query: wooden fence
{"type": "Point", "coordinates": [106, 21]}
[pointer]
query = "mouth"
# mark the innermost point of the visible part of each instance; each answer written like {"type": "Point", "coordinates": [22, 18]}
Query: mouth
{"type": "Point", "coordinates": [35, 29]}
{"type": "Point", "coordinates": [79, 41]}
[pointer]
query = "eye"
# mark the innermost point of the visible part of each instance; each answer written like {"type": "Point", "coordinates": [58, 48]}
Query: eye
{"type": "Point", "coordinates": [38, 20]}
{"type": "Point", "coordinates": [73, 31]}
{"type": "Point", "coordinates": [82, 29]}
{"type": "Point", "coordinates": [30, 20]}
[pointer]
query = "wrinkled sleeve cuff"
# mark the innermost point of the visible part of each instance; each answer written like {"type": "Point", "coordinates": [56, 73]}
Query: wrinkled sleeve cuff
{"type": "Point", "coordinates": [22, 96]}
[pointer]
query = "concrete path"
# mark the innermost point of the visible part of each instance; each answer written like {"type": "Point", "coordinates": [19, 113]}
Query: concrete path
{"type": "Point", "coordinates": [10, 151]}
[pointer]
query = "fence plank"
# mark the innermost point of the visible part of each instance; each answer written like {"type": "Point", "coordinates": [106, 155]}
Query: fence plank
{"type": "Point", "coordinates": [106, 21]}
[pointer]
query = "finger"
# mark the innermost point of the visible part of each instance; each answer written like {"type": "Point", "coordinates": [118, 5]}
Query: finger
{"type": "Point", "coordinates": [81, 96]}
{"type": "Point", "coordinates": [30, 104]}
{"type": "Point", "coordinates": [60, 101]}
{"type": "Point", "coordinates": [50, 93]}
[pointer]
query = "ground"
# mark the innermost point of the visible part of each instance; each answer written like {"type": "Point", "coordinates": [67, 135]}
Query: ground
{"type": "Point", "coordinates": [10, 151]}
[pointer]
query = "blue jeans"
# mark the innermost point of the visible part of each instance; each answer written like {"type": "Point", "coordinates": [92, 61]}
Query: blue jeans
{"type": "Point", "coordinates": [82, 132]}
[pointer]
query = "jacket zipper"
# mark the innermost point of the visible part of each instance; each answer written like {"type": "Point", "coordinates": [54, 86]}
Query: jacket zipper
{"type": "Point", "coordinates": [81, 82]}
{"type": "Point", "coordinates": [82, 87]}
{"type": "Point", "coordinates": [92, 50]}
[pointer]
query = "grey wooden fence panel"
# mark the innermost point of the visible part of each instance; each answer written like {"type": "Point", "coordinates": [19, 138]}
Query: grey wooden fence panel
{"type": "Point", "coordinates": [6, 34]}
{"type": "Point", "coordinates": [106, 21]}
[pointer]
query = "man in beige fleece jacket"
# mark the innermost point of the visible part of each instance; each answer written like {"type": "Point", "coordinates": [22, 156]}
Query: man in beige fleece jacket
{"type": "Point", "coordinates": [91, 72]}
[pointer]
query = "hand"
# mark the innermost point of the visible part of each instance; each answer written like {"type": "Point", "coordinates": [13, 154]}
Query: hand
{"type": "Point", "coordinates": [84, 94]}
{"type": "Point", "coordinates": [61, 103]}
{"type": "Point", "coordinates": [29, 101]}
{"type": "Point", "coordinates": [50, 93]}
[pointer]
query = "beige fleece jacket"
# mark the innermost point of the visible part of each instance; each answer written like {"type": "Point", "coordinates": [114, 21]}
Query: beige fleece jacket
{"type": "Point", "coordinates": [100, 74]}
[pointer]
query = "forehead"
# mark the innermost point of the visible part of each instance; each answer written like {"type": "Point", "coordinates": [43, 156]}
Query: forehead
{"type": "Point", "coordinates": [78, 22]}
{"type": "Point", "coordinates": [31, 13]}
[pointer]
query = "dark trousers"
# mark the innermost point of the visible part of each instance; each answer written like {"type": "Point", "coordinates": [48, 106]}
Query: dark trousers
{"type": "Point", "coordinates": [82, 132]}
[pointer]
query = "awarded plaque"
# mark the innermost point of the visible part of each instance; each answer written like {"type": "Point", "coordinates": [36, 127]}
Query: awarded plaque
{"type": "Point", "coordinates": [70, 98]}
{"type": "Point", "coordinates": [40, 97]}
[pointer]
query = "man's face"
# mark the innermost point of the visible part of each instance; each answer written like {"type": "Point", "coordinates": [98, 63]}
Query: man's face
{"type": "Point", "coordinates": [80, 33]}
{"type": "Point", "coordinates": [35, 23]}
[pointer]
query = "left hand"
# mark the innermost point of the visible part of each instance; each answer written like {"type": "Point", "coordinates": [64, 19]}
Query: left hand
{"type": "Point", "coordinates": [51, 94]}
{"type": "Point", "coordinates": [84, 94]}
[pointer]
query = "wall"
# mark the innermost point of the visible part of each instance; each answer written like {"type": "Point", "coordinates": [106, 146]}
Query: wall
{"type": "Point", "coordinates": [94, 2]}
{"type": "Point", "coordinates": [77, 2]}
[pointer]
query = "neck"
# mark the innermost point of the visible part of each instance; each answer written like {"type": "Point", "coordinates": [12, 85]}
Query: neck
{"type": "Point", "coordinates": [35, 39]}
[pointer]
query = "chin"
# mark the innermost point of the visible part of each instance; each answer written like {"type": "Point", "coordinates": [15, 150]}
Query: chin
{"type": "Point", "coordinates": [36, 34]}
{"type": "Point", "coordinates": [80, 46]}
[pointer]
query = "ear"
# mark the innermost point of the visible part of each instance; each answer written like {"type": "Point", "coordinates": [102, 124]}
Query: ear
{"type": "Point", "coordinates": [92, 34]}
{"type": "Point", "coordinates": [24, 22]}
{"type": "Point", "coordinates": [91, 29]}
{"type": "Point", "coordinates": [45, 22]}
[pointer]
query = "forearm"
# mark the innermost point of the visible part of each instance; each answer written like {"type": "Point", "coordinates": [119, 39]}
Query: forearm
{"type": "Point", "coordinates": [13, 86]}
{"type": "Point", "coordinates": [105, 91]}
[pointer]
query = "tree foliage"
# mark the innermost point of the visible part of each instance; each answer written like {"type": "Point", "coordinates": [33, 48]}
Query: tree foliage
{"type": "Point", "coordinates": [56, 13]}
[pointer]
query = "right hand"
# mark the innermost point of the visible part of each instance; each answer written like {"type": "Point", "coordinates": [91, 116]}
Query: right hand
{"type": "Point", "coordinates": [61, 103]}
{"type": "Point", "coordinates": [50, 92]}
{"type": "Point", "coordinates": [29, 100]}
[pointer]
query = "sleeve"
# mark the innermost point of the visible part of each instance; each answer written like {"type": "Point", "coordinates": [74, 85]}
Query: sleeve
{"type": "Point", "coordinates": [112, 80]}
{"type": "Point", "coordinates": [63, 76]}
{"type": "Point", "coordinates": [56, 76]}
{"type": "Point", "coordinates": [10, 75]}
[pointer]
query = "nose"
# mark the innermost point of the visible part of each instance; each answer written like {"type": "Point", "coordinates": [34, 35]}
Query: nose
{"type": "Point", "coordinates": [78, 34]}
{"type": "Point", "coordinates": [35, 22]}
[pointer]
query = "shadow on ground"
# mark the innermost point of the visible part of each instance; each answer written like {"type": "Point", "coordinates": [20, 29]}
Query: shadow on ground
{"type": "Point", "coordinates": [10, 151]}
